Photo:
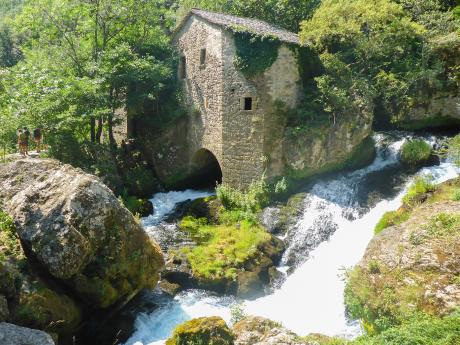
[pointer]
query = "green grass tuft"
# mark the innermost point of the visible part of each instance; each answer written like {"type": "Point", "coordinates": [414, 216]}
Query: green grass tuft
{"type": "Point", "coordinates": [391, 218]}
{"type": "Point", "coordinates": [221, 249]}
{"type": "Point", "coordinates": [418, 190]}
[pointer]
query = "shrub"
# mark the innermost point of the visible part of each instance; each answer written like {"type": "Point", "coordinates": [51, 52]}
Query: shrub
{"type": "Point", "coordinates": [455, 195]}
{"type": "Point", "coordinates": [391, 218]}
{"type": "Point", "coordinates": [237, 313]}
{"type": "Point", "coordinates": [417, 191]}
{"type": "Point", "coordinates": [251, 201]}
{"type": "Point", "coordinates": [9, 241]}
{"type": "Point", "coordinates": [415, 152]}
{"type": "Point", "coordinates": [419, 330]}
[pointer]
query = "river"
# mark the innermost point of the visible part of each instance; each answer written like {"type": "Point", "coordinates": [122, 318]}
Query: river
{"type": "Point", "coordinates": [331, 236]}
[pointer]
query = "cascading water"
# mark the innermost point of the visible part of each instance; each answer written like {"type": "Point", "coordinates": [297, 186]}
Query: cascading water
{"type": "Point", "coordinates": [330, 237]}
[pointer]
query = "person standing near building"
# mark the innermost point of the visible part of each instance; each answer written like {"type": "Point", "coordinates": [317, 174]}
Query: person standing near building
{"type": "Point", "coordinates": [26, 133]}
{"type": "Point", "coordinates": [21, 142]}
{"type": "Point", "coordinates": [38, 138]}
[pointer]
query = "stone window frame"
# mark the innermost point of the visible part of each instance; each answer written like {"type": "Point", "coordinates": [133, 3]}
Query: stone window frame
{"type": "Point", "coordinates": [182, 67]}
{"type": "Point", "coordinates": [203, 57]}
{"type": "Point", "coordinates": [254, 103]}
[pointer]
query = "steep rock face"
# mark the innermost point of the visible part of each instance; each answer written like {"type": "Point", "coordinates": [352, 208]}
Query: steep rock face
{"type": "Point", "coordinates": [328, 148]}
{"type": "Point", "coordinates": [15, 335]}
{"type": "Point", "coordinates": [78, 231]}
{"type": "Point", "coordinates": [439, 110]}
{"type": "Point", "coordinates": [413, 266]}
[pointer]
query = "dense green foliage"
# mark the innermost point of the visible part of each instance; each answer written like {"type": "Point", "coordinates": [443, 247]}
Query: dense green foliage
{"type": "Point", "coordinates": [285, 13]}
{"type": "Point", "coordinates": [254, 54]}
{"type": "Point", "coordinates": [74, 65]}
{"type": "Point", "coordinates": [390, 53]}
{"type": "Point", "coordinates": [415, 152]}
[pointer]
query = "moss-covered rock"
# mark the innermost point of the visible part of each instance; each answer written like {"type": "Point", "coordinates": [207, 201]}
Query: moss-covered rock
{"type": "Point", "coordinates": [43, 306]}
{"type": "Point", "coordinates": [346, 144]}
{"type": "Point", "coordinates": [77, 230]}
{"type": "Point", "coordinates": [231, 259]}
{"type": "Point", "coordinates": [412, 266]}
{"type": "Point", "coordinates": [202, 331]}
{"type": "Point", "coordinates": [31, 300]}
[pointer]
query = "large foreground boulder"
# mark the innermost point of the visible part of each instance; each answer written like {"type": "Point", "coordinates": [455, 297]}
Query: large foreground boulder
{"type": "Point", "coordinates": [15, 335]}
{"type": "Point", "coordinates": [78, 231]}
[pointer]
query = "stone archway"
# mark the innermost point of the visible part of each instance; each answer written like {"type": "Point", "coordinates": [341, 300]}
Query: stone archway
{"type": "Point", "coordinates": [206, 168]}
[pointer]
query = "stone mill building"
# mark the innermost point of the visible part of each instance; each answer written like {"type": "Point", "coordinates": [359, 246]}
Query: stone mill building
{"type": "Point", "coordinates": [232, 123]}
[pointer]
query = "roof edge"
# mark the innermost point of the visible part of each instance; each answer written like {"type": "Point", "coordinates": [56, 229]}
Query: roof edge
{"type": "Point", "coordinates": [192, 12]}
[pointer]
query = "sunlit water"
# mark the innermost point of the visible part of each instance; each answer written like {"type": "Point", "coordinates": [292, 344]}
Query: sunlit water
{"type": "Point", "coordinates": [311, 298]}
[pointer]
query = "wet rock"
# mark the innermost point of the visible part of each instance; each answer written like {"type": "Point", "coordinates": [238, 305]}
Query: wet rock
{"type": "Point", "coordinates": [269, 218]}
{"type": "Point", "coordinates": [168, 288]}
{"type": "Point", "coordinates": [260, 331]}
{"type": "Point", "coordinates": [76, 229]}
{"type": "Point", "coordinates": [205, 330]}
{"type": "Point", "coordinates": [15, 335]}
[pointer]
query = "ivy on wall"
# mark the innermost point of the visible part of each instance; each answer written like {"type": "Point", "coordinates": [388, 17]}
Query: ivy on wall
{"type": "Point", "coordinates": [255, 54]}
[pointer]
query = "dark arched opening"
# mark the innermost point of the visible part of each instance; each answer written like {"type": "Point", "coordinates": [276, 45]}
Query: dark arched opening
{"type": "Point", "coordinates": [206, 171]}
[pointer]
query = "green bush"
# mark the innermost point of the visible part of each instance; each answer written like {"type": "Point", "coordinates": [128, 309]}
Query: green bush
{"type": "Point", "coordinates": [415, 152]}
{"type": "Point", "coordinates": [391, 218]}
{"type": "Point", "coordinates": [418, 190]}
{"type": "Point", "coordinates": [419, 330]}
{"type": "Point", "coordinates": [455, 195]}
{"type": "Point", "coordinates": [248, 202]}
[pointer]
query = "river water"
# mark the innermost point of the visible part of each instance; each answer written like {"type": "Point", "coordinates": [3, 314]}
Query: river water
{"type": "Point", "coordinates": [337, 223]}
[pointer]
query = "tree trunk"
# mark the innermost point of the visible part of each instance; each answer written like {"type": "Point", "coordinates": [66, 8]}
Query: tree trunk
{"type": "Point", "coordinates": [93, 129]}
{"type": "Point", "coordinates": [100, 124]}
{"type": "Point", "coordinates": [110, 118]}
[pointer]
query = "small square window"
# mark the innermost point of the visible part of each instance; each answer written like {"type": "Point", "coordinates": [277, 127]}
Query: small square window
{"type": "Point", "coordinates": [248, 103]}
{"type": "Point", "coordinates": [203, 56]}
{"type": "Point", "coordinates": [182, 67]}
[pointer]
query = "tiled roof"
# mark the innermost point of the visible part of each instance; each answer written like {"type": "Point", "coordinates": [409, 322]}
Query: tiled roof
{"type": "Point", "coordinates": [254, 26]}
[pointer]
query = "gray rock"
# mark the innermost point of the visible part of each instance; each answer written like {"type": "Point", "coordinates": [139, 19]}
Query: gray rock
{"type": "Point", "coordinates": [77, 229]}
{"type": "Point", "coordinates": [260, 331]}
{"type": "Point", "coordinates": [15, 335]}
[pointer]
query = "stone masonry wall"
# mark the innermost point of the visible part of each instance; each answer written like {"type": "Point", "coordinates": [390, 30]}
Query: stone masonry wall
{"type": "Point", "coordinates": [203, 85]}
{"type": "Point", "coordinates": [245, 142]}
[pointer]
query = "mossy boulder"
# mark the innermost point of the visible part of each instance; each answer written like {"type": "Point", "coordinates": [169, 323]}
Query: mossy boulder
{"type": "Point", "coordinates": [345, 144]}
{"type": "Point", "coordinates": [416, 153]}
{"type": "Point", "coordinates": [229, 259]}
{"type": "Point", "coordinates": [412, 266]}
{"type": "Point", "coordinates": [202, 331]}
{"type": "Point", "coordinates": [27, 296]}
{"type": "Point", "coordinates": [78, 231]}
